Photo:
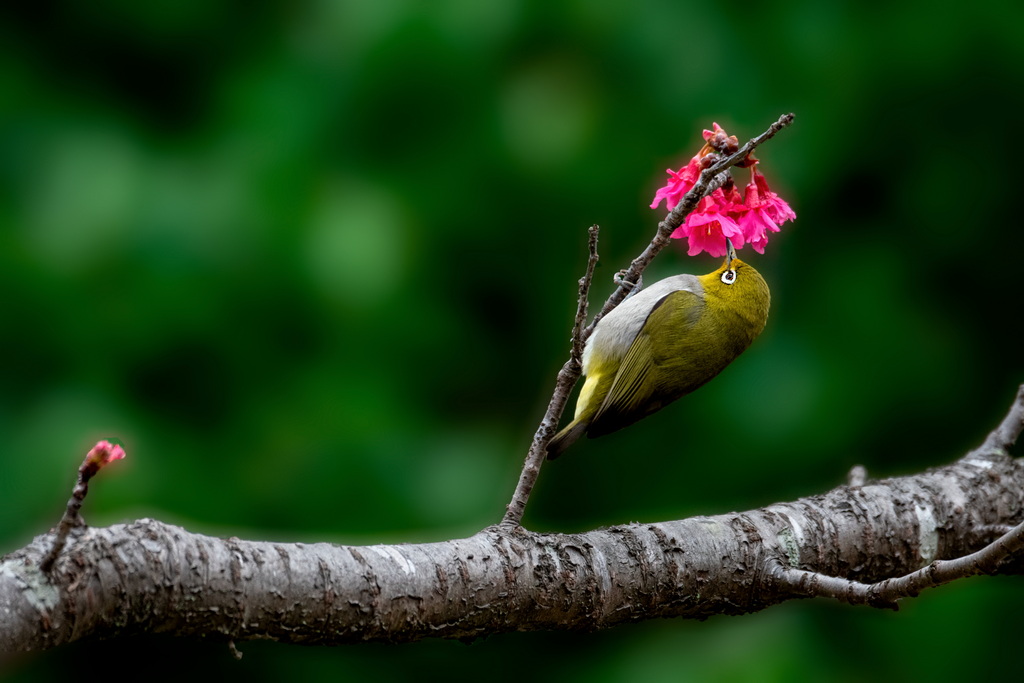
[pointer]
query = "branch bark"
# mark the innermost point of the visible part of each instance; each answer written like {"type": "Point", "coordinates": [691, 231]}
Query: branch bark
{"type": "Point", "coordinates": [874, 543]}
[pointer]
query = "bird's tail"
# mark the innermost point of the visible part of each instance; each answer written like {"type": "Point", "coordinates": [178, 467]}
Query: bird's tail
{"type": "Point", "coordinates": [565, 438]}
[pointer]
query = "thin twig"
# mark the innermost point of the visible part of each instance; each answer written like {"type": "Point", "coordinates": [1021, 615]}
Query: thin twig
{"type": "Point", "coordinates": [887, 593]}
{"type": "Point", "coordinates": [583, 302]}
{"type": "Point", "coordinates": [101, 455]}
{"type": "Point", "coordinates": [710, 178]}
{"type": "Point", "coordinates": [816, 585]}
{"type": "Point", "coordinates": [72, 515]}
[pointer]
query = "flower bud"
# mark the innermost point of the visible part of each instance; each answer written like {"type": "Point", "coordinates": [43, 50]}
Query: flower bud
{"type": "Point", "coordinates": [104, 453]}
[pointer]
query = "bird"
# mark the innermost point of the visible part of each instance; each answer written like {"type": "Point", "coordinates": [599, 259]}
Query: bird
{"type": "Point", "coordinates": [662, 343]}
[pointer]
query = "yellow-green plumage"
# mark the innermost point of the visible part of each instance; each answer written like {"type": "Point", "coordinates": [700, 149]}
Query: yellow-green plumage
{"type": "Point", "coordinates": [662, 343]}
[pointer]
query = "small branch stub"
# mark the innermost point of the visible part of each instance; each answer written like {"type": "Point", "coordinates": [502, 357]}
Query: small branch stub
{"type": "Point", "coordinates": [101, 455]}
{"type": "Point", "coordinates": [1006, 434]}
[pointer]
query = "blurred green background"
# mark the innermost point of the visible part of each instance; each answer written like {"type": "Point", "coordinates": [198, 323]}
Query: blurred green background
{"type": "Point", "coordinates": [315, 264]}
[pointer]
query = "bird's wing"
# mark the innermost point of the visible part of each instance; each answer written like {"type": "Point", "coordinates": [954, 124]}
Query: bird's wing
{"type": "Point", "coordinates": [630, 397]}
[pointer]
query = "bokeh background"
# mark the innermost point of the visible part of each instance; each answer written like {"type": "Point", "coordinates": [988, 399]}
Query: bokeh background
{"type": "Point", "coordinates": [315, 264]}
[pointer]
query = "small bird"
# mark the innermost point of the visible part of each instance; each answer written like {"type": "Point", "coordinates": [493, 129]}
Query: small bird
{"type": "Point", "coordinates": [664, 342]}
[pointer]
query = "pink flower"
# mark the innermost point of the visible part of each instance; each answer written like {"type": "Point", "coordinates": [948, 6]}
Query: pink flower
{"type": "Point", "coordinates": [747, 218]}
{"type": "Point", "coordinates": [773, 205]}
{"type": "Point", "coordinates": [765, 211]}
{"type": "Point", "coordinates": [104, 453]}
{"type": "Point", "coordinates": [755, 226]}
{"type": "Point", "coordinates": [679, 184]}
{"type": "Point", "coordinates": [708, 225]}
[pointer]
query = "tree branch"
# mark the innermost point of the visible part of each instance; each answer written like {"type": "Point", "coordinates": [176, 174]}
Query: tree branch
{"type": "Point", "coordinates": [895, 537]}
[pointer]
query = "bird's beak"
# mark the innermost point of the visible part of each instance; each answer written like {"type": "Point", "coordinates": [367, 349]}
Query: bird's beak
{"type": "Point", "coordinates": [730, 253]}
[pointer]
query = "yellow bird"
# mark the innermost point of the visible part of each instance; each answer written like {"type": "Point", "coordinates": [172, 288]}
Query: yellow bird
{"type": "Point", "coordinates": [662, 343]}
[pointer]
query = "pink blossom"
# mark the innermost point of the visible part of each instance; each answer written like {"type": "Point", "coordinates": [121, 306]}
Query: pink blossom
{"type": "Point", "coordinates": [747, 218]}
{"type": "Point", "coordinates": [755, 225]}
{"type": "Point", "coordinates": [708, 225]}
{"type": "Point", "coordinates": [765, 211]}
{"type": "Point", "coordinates": [775, 207]}
{"type": "Point", "coordinates": [104, 453]}
{"type": "Point", "coordinates": [678, 185]}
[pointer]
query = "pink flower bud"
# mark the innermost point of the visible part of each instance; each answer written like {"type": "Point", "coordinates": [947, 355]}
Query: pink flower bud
{"type": "Point", "coordinates": [720, 140]}
{"type": "Point", "coordinates": [708, 134]}
{"type": "Point", "coordinates": [104, 453]}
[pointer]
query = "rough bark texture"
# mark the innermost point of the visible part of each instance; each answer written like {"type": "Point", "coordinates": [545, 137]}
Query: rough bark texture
{"type": "Point", "coordinates": [148, 576]}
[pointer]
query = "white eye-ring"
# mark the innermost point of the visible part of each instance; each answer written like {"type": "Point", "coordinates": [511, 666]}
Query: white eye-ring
{"type": "Point", "coordinates": [729, 276]}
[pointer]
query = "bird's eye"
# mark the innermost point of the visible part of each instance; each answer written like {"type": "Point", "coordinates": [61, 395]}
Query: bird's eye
{"type": "Point", "coordinates": [729, 276]}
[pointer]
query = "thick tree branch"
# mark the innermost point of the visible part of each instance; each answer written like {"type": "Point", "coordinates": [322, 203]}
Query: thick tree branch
{"type": "Point", "coordinates": [894, 536]}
